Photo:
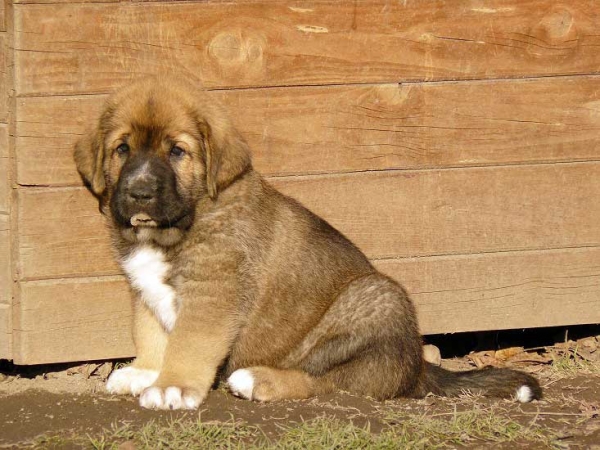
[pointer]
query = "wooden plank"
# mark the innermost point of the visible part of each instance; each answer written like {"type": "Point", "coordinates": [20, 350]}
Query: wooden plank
{"type": "Point", "coordinates": [4, 170]}
{"type": "Point", "coordinates": [502, 290]}
{"type": "Point", "coordinates": [4, 88]}
{"type": "Point", "coordinates": [45, 150]}
{"type": "Point", "coordinates": [73, 320]}
{"type": "Point", "coordinates": [5, 260]}
{"type": "Point", "coordinates": [456, 211]}
{"type": "Point", "coordinates": [3, 15]}
{"type": "Point", "coordinates": [68, 1]}
{"type": "Point", "coordinates": [5, 332]}
{"type": "Point", "coordinates": [351, 128]}
{"type": "Point", "coordinates": [387, 214]}
{"type": "Point", "coordinates": [84, 319]}
{"type": "Point", "coordinates": [228, 44]}
{"type": "Point", "coordinates": [63, 234]}
{"type": "Point", "coordinates": [5, 289]}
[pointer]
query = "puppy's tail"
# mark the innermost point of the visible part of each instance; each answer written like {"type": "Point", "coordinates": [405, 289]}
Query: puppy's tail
{"type": "Point", "coordinates": [490, 381]}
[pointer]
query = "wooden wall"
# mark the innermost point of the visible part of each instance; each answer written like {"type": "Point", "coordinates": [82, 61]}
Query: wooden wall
{"type": "Point", "coordinates": [457, 143]}
{"type": "Point", "coordinates": [6, 280]}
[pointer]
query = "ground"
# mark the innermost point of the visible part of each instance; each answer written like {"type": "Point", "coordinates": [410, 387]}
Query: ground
{"type": "Point", "coordinates": [66, 407]}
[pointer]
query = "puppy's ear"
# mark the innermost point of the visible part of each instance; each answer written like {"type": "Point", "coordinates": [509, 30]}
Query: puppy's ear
{"type": "Point", "coordinates": [89, 159]}
{"type": "Point", "coordinates": [227, 153]}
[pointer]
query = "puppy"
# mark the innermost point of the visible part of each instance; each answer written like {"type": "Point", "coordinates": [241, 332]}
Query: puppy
{"type": "Point", "coordinates": [233, 280]}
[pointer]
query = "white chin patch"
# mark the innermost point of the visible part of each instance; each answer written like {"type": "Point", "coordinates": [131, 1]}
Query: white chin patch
{"type": "Point", "coordinates": [524, 394]}
{"type": "Point", "coordinates": [169, 398]}
{"type": "Point", "coordinates": [130, 380]}
{"type": "Point", "coordinates": [241, 383]}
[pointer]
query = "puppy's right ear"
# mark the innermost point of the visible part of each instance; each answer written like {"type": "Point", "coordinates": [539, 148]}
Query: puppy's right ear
{"type": "Point", "coordinates": [89, 159]}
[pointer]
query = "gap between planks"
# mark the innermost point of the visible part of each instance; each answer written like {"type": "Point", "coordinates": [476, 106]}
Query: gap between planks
{"type": "Point", "coordinates": [594, 75]}
{"type": "Point", "coordinates": [319, 175]}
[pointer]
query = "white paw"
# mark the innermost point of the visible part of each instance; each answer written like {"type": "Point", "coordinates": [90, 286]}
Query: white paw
{"type": "Point", "coordinates": [169, 398]}
{"type": "Point", "coordinates": [241, 383]}
{"type": "Point", "coordinates": [130, 380]}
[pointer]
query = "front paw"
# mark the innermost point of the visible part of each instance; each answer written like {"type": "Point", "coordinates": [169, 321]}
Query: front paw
{"type": "Point", "coordinates": [171, 397]}
{"type": "Point", "coordinates": [130, 380]}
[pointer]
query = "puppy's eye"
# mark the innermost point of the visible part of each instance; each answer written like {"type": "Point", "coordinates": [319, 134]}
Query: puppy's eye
{"type": "Point", "coordinates": [177, 152]}
{"type": "Point", "coordinates": [123, 149]}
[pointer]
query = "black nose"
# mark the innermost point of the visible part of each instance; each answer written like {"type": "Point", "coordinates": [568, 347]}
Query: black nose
{"type": "Point", "coordinates": [142, 192]}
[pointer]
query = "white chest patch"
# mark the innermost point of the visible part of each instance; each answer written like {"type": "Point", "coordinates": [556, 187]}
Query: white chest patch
{"type": "Point", "coordinates": [147, 270]}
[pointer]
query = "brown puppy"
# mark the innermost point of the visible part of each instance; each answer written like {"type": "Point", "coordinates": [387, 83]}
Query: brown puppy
{"type": "Point", "coordinates": [233, 279]}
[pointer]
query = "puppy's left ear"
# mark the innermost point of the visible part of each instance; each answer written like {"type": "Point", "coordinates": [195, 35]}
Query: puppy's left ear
{"type": "Point", "coordinates": [89, 159]}
{"type": "Point", "coordinates": [227, 153]}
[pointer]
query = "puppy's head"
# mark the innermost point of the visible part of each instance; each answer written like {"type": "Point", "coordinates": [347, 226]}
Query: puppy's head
{"type": "Point", "coordinates": [158, 148]}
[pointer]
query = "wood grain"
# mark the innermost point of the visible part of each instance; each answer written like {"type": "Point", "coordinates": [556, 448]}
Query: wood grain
{"type": "Point", "coordinates": [226, 44]}
{"type": "Point", "coordinates": [5, 260]}
{"type": "Point", "coordinates": [352, 128]}
{"type": "Point", "coordinates": [72, 1]}
{"type": "Point", "coordinates": [62, 234]}
{"type": "Point", "coordinates": [4, 88]}
{"type": "Point", "coordinates": [2, 16]}
{"type": "Point", "coordinates": [502, 290]}
{"type": "Point", "coordinates": [73, 320]}
{"type": "Point", "coordinates": [5, 179]}
{"type": "Point", "coordinates": [387, 214]}
{"type": "Point", "coordinates": [79, 319]}
{"type": "Point", "coordinates": [5, 332]}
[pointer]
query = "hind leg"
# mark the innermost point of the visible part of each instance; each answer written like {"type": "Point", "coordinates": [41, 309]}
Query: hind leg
{"type": "Point", "coordinates": [367, 343]}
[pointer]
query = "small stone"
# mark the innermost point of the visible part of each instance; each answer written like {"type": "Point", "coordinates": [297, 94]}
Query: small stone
{"type": "Point", "coordinates": [432, 354]}
{"type": "Point", "coordinates": [127, 445]}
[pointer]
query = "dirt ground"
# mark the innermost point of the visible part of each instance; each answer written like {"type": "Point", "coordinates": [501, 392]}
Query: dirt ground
{"type": "Point", "coordinates": [67, 407]}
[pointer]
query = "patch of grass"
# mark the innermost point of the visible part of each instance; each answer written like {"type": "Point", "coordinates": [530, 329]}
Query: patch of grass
{"type": "Point", "coordinates": [476, 427]}
{"type": "Point", "coordinates": [327, 433]}
{"type": "Point", "coordinates": [570, 363]}
{"type": "Point", "coordinates": [178, 434]}
{"type": "Point", "coordinates": [323, 433]}
{"type": "Point", "coordinates": [468, 427]}
{"type": "Point", "coordinates": [51, 442]}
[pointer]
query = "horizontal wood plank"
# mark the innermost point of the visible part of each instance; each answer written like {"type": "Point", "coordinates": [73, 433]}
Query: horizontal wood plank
{"type": "Point", "coordinates": [5, 332]}
{"type": "Point", "coordinates": [5, 178]}
{"type": "Point", "coordinates": [352, 128]}
{"type": "Point", "coordinates": [73, 320]}
{"type": "Point", "coordinates": [502, 290]}
{"type": "Point", "coordinates": [84, 319]}
{"type": "Point", "coordinates": [228, 44]}
{"type": "Point", "coordinates": [63, 234]}
{"type": "Point", "coordinates": [387, 214]}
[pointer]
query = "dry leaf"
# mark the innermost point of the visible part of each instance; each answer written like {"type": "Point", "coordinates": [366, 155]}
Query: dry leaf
{"type": "Point", "coordinates": [485, 358]}
{"type": "Point", "coordinates": [531, 358]}
{"type": "Point", "coordinates": [507, 353]}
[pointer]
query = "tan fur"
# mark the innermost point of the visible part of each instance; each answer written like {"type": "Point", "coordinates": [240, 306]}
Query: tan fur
{"type": "Point", "coordinates": [149, 337]}
{"type": "Point", "coordinates": [284, 384]}
{"type": "Point", "coordinates": [260, 282]}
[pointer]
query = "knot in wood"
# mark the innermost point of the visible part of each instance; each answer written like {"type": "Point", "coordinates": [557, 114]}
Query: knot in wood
{"type": "Point", "coordinates": [554, 35]}
{"type": "Point", "coordinates": [232, 48]}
